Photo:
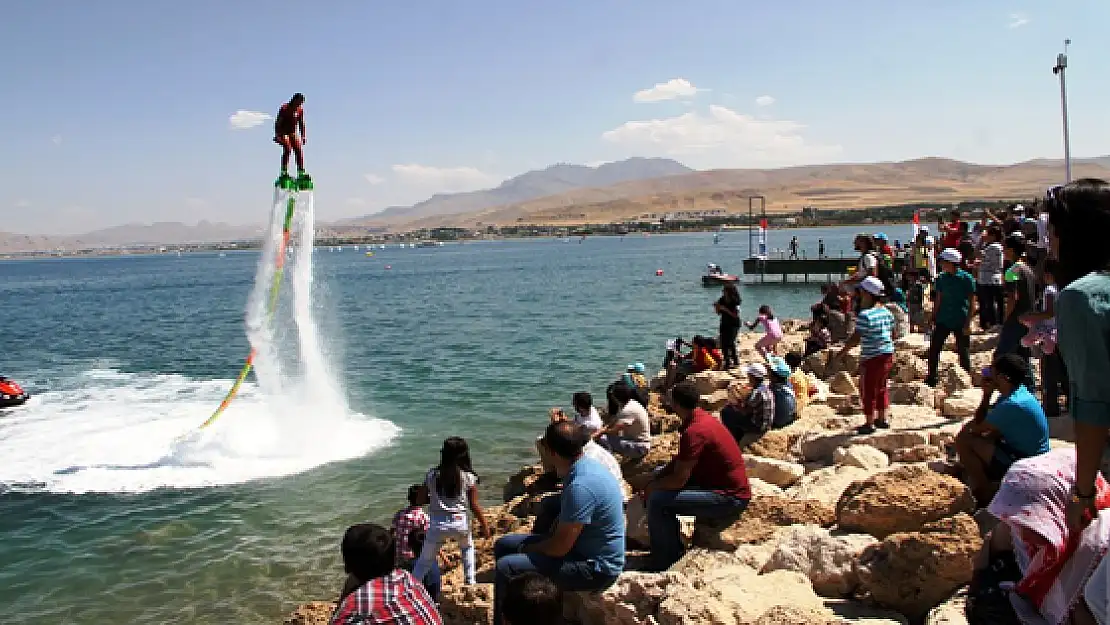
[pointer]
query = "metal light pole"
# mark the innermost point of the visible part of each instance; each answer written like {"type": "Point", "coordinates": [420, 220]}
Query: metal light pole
{"type": "Point", "coordinates": [1061, 65]}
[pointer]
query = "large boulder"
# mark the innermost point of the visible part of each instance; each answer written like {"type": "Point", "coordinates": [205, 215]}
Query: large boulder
{"type": "Point", "coordinates": [892, 440]}
{"type": "Point", "coordinates": [862, 456]}
{"type": "Point", "coordinates": [817, 363]}
{"type": "Point", "coordinates": [777, 472]}
{"type": "Point", "coordinates": [954, 379]}
{"type": "Point", "coordinates": [901, 500]}
{"type": "Point", "coordinates": [912, 394]}
{"type": "Point", "coordinates": [842, 383]}
{"type": "Point", "coordinates": [522, 482]}
{"type": "Point", "coordinates": [777, 444]}
{"type": "Point", "coordinates": [761, 520]}
{"type": "Point", "coordinates": [828, 484]}
{"type": "Point", "coordinates": [907, 367]}
{"type": "Point", "coordinates": [917, 453]}
{"type": "Point", "coordinates": [963, 404]}
{"type": "Point", "coordinates": [709, 381]}
{"type": "Point", "coordinates": [312, 613]}
{"type": "Point", "coordinates": [912, 572]}
{"type": "Point", "coordinates": [727, 594]}
{"type": "Point", "coordinates": [714, 401]}
{"type": "Point", "coordinates": [466, 604]}
{"type": "Point", "coordinates": [826, 558]}
{"type": "Point", "coordinates": [819, 446]}
{"type": "Point", "coordinates": [631, 600]}
{"type": "Point", "coordinates": [760, 488]}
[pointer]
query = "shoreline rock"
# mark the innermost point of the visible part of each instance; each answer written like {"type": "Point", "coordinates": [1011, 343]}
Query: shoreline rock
{"type": "Point", "coordinates": [842, 528]}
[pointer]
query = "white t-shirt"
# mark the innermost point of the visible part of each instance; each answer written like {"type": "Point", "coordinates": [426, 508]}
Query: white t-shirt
{"type": "Point", "coordinates": [592, 421]}
{"type": "Point", "coordinates": [597, 452]}
{"type": "Point", "coordinates": [635, 419]}
{"type": "Point", "coordinates": [448, 507]}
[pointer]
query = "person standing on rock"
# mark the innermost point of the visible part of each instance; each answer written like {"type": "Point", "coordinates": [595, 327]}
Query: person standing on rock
{"type": "Point", "coordinates": [1021, 294]}
{"type": "Point", "coordinates": [728, 308]}
{"type": "Point", "coordinates": [874, 325]}
{"type": "Point", "coordinates": [992, 296]}
{"type": "Point", "coordinates": [1012, 429]}
{"type": "Point", "coordinates": [585, 550]}
{"type": "Point", "coordinates": [706, 479]}
{"type": "Point", "coordinates": [953, 309]}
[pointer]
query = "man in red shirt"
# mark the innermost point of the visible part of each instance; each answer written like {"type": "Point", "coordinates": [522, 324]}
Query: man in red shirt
{"type": "Point", "coordinates": [706, 479]}
{"type": "Point", "coordinates": [952, 231]}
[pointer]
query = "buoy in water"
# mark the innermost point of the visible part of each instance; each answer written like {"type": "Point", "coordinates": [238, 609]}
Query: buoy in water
{"type": "Point", "coordinates": [389, 266]}
{"type": "Point", "coordinates": [658, 272]}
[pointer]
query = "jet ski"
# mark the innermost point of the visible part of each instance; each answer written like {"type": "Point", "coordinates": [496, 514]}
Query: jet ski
{"type": "Point", "coordinates": [11, 394]}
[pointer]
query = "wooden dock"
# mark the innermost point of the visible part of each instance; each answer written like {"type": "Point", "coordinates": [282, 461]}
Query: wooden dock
{"type": "Point", "coordinates": [756, 270]}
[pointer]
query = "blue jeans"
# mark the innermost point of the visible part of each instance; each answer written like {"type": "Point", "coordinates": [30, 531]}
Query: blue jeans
{"type": "Point", "coordinates": [664, 508]}
{"type": "Point", "coordinates": [568, 575]}
{"type": "Point", "coordinates": [432, 582]}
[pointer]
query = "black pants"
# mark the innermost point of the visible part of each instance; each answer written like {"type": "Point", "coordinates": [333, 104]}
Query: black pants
{"type": "Point", "coordinates": [1009, 342]}
{"type": "Point", "coordinates": [728, 346]}
{"type": "Point", "coordinates": [936, 344]}
{"type": "Point", "coordinates": [992, 304]}
{"type": "Point", "coordinates": [1054, 378]}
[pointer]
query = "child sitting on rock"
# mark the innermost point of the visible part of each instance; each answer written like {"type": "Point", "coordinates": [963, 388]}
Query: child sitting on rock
{"type": "Point", "coordinates": [453, 489]}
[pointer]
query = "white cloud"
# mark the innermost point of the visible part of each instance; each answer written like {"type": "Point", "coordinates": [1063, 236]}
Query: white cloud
{"type": "Point", "coordinates": [242, 120]}
{"type": "Point", "coordinates": [1017, 20]}
{"type": "Point", "coordinates": [56, 139]}
{"type": "Point", "coordinates": [764, 100]}
{"type": "Point", "coordinates": [374, 179]}
{"type": "Point", "coordinates": [444, 179]}
{"type": "Point", "coordinates": [673, 89]}
{"type": "Point", "coordinates": [720, 138]}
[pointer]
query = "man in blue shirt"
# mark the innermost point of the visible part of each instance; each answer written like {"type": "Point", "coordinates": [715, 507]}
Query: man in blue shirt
{"type": "Point", "coordinates": [585, 550]}
{"type": "Point", "coordinates": [997, 436]}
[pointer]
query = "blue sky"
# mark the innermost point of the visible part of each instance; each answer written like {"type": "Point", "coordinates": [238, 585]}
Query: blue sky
{"type": "Point", "coordinates": [120, 111]}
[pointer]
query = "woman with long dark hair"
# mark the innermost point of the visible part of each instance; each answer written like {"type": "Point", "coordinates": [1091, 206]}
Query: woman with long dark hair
{"type": "Point", "coordinates": [728, 307]}
{"type": "Point", "coordinates": [453, 490]}
{"type": "Point", "coordinates": [1078, 222]}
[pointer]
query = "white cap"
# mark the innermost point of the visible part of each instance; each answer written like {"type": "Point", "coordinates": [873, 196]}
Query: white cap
{"type": "Point", "coordinates": [872, 285]}
{"type": "Point", "coordinates": [951, 255]}
{"type": "Point", "coordinates": [756, 370]}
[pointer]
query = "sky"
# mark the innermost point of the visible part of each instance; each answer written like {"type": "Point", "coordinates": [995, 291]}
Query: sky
{"type": "Point", "coordinates": [127, 111]}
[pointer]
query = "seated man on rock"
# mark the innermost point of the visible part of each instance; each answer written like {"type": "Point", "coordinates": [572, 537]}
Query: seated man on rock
{"type": "Point", "coordinates": [376, 590]}
{"type": "Point", "coordinates": [629, 434]}
{"type": "Point", "coordinates": [706, 479]}
{"type": "Point", "coordinates": [585, 549]}
{"type": "Point", "coordinates": [1013, 428]}
{"type": "Point", "coordinates": [750, 412]}
{"type": "Point", "coordinates": [549, 507]}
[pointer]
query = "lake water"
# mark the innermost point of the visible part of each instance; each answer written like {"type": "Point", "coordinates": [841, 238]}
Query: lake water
{"type": "Point", "coordinates": [108, 516]}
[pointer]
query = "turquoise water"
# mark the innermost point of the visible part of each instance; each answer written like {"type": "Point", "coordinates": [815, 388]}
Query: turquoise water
{"type": "Point", "coordinates": [105, 518]}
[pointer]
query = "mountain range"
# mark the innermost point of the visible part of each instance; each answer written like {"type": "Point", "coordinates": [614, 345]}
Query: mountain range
{"type": "Point", "coordinates": [553, 180]}
{"type": "Point", "coordinates": [637, 187]}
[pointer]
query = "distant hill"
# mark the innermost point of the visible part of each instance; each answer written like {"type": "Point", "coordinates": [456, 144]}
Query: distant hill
{"type": "Point", "coordinates": [160, 233]}
{"type": "Point", "coordinates": [837, 186]}
{"type": "Point", "coordinates": [553, 180]}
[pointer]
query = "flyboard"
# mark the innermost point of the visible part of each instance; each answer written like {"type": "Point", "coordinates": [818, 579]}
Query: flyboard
{"type": "Point", "coordinates": [287, 188]}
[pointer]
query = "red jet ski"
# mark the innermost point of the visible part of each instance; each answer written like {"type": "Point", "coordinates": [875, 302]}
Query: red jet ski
{"type": "Point", "coordinates": [11, 394]}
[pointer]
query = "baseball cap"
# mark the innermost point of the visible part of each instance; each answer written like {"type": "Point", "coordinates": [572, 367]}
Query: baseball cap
{"type": "Point", "coordinates": [779, 367]}
{"type": "Point", "coordinates": [872, 285]}
{"type": "Point", "coordinates": [951, 255]}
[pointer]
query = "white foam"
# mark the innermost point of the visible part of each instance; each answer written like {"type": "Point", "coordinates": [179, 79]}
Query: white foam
{"type": "Point", "coordinates": [120, 432]}
{"type": "Point", "coordinates": [111, 431]}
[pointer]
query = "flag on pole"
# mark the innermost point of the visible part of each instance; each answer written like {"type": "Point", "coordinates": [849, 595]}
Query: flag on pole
{"type": "Point", "coordinates": [763, 237]}
{"type": "Point", "coordinates": [916, 224]}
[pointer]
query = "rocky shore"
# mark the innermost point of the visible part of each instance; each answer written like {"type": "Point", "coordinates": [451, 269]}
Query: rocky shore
{"type": "Point", "coordinates": [842, 528]}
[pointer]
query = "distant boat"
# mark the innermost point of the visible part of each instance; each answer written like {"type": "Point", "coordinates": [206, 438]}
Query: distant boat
{"type": "Point", "coordinates": [429, 244]}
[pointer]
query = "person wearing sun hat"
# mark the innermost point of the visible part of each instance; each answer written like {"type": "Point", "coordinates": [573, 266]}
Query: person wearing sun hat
{"type": "Point", "coordinates": [874, 325]}
{"type": "Point", "coordinates": [953, 309]}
